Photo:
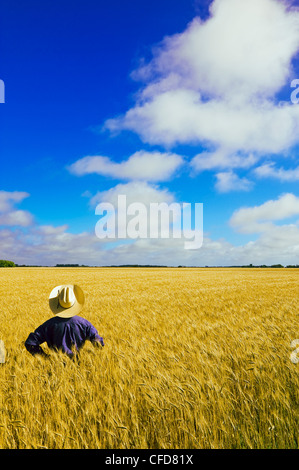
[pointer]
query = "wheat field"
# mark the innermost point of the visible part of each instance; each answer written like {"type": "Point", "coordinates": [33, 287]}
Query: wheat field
{"type": "Point", "coordinates": [193, 358]}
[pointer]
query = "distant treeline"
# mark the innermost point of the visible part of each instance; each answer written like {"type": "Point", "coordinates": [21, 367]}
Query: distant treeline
{"type": "Point", "coordinates": [71, 266]}
{"type": "Point", "coordinates": [265, 266]}
{"type": "Point", "coordinates": [260, 266]}
{"type": "Point", "coordinates": [135, 266]}
{"type": "Point", "coordinates": [4, 263]}
{"type": "Point", "coordinates": [10, 264]}
{"type": "Point", "coordinates": [253, 266]}
{"type": "Point", "coordinates": [112, 266]}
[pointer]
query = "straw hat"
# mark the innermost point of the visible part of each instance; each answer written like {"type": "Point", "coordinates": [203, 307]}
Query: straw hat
{"type": "Point", "coordinates": [66, 301]}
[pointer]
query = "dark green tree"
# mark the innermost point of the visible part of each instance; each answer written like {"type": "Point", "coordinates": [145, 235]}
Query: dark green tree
{"type": "Point", "coordinates": [4, 263]}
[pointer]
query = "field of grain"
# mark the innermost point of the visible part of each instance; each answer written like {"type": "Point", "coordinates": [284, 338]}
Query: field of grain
{"type": "Point", "coordinates": [193, 358]}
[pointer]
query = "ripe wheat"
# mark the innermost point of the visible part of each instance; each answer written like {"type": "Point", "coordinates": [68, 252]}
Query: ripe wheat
{"type": "Point", "coordinates": [193, 358]}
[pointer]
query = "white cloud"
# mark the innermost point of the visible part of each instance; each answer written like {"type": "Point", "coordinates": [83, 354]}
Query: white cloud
{"type": "Point", "coordinates": [280, 244]}
{"type": "Point", "coordinates": [243, 49]}
{"type": "Point", "coordinates": [259, 219]}
{"type": "Point", "coordinates": [276, 245]}
{"type": "Point", "coordinates": [135, 191]}
{"type": "Point", "coordinates": [180, 116]}
{"type": "Point", "coordinates": [268, 170]}
{"type": "Point", "coordinates": [221, 159]}
{"type": "Point", "coordinates": [142, 165]}
{"type": "Point", "coordinates": [229, 181]}
{"type": "Point", "coordinates": [50, 230]}
{"type": "Point", "coordinates": [215, 84]}
{"type": "Point", "coordinates": [49, 245]}
{"type": "Point", "coordinates": [17, 218]}
{"type": "Point", "coordinates": [8, 215]}
{"type": "Point", "coordinates": [9, 198]}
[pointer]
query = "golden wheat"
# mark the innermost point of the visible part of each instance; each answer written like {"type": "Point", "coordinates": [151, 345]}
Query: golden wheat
{"type": "Point", "coordinates": [193, 358]}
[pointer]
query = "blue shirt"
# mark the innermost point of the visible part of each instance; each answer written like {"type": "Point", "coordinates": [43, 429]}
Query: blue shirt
{"type": "Point", "coordinates": [63, 334]}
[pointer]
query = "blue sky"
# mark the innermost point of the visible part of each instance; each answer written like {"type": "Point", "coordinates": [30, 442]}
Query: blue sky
{"type": "Point", "coordinates": [176, 100]}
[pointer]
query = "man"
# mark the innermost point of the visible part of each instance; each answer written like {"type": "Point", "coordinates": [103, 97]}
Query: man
{"type": "Point", "coordinates": [66, 331]}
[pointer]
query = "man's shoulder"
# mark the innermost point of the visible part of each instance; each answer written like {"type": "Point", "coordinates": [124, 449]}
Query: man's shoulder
{"type": "Point", "coordinates": [75, 320]}
{"type": "Point", "coordinates": [44, 326]}
{"type": "Point", "coordinates": [48, 322]}
{"type": "Point", "coordinates": [79, 320]}
{"type": "Point", "coordinates": [53, 321]}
